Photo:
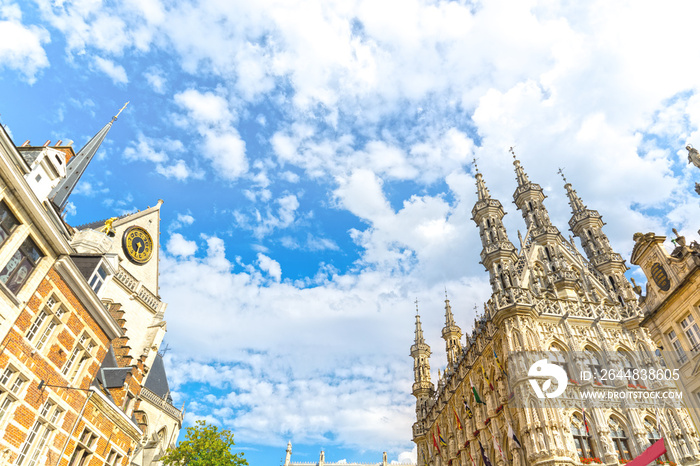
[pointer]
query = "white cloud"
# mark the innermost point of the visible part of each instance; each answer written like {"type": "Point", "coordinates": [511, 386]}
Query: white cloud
{"type": "Point", "coordinates": [179, 246]}
{"type": "Point", "coordinates": [264, 223]}
{"type": "Point", "coordinates": [21, 47]}
{"type": "Point", "coordinates": [205, 108]}
{"type": "Point", "coordinates": [271, 266]}
{"type": "Point", "coordinates": [156, 79]}
{"type": "Point", "coordinates": [156, 151]}
{"type": "Point", "coordinates": [116, 73]}
{"type": "Point", "coordinates": [213, 119]}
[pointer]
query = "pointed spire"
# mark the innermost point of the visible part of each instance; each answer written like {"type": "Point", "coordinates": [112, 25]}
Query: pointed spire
{"type": "Point", "coordinates": [419, 329]}
{"type": "Point", "coordinates": [78, 164]}
{"type": "Point", "coordinates": [449, 318]}
{"type": "Point", "coordinates": [481, 189]}
{"type": "Point", "coordinates": [519, 171]}
{"type": "Point", "coordinates": [574, 201]}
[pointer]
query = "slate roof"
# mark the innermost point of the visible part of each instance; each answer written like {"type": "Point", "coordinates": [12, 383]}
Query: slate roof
{"type": "Point", "coordinates": [110, 374]}
{"type": "Point", "coordinates": [157, 380]}
{"type": "Point", "coordinates": [96, 225]}
{"type": "Point", "coordinates": [86, 263]}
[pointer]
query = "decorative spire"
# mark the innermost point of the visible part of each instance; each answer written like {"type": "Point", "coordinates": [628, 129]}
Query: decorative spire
{"type": "Point", "coordinates": [423, 388]}
{"type": "Point", "coordinates": [452, 335]}
{"type": "Point", "coordinates": [481, 189]}
{"type": "Point", "coordinates": [519, 172]}
{"type": "Point", "coordinates": [78, 164]}
{"type": "Point", "coordinates": [419, 329]}
{"type": "Point", "coordinates": [449, 318]}
{"type": "Point", "coordinates": [574, 201]}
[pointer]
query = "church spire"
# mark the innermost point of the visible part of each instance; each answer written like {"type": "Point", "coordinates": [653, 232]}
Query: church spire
{"type": "Point", "coordinates": [77, 165]}
{"type": "Point", "coordinates": [577, 206]}
{"type": "Point", "coordinates": [498, 253]}
{"type": "Point", "coordinates": [452, 335]}
{"type": "Point", "coordinates": [481, 190]}
{"type": "Point", "coordinates": [520, 174]}
{"type": "Point", "coordinates": [423, 388]}
{"type": "Point", "coordinates": [529, 198]}
{"type": "Point", "coordinates": [587, 225]}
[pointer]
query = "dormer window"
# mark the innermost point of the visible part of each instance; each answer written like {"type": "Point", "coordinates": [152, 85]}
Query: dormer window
{"type": "Point", "coordinates": [98, 278]}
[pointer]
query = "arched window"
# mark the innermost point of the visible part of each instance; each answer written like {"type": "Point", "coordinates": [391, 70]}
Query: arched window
{"type": "Point", "coordinates": [619, 438]}
{"type": "Point", "coordinates": [517, 340]}
{"type": "Point", "coordinates": [557, 356]}
{"type": "Point", "coordinates": [582, 438]}
{"type": "Point", "coordinates": [653, 434]}
{"type": "Point", "coordinates": [592, 363]}
{"type": "Point", "coordinates": [627, 363]}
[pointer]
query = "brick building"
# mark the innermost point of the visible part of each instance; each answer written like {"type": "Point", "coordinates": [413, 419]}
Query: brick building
{"type": "Point", "coordinates": [80, 323]}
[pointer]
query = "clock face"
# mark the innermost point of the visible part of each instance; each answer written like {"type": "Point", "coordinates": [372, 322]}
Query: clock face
{"type": "Point", "coordinates": [138, 245]}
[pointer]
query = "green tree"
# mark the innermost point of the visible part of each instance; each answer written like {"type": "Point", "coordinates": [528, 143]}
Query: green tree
{"type": "Point", "coordinates": [204, 445]}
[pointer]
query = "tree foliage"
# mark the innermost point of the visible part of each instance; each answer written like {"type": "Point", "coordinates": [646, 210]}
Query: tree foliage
{"type": "Point", "coordinates": [204, 445]}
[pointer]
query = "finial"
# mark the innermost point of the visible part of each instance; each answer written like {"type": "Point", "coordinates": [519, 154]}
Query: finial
{"type": "Point", "coordinates": [512, 151]}
{"type": "Point", "coordinates": [445, 292]}
{"type": "Point", "coordinates": [561, 172]}
{"type": "Point", "coordinates": [416, 306]}
{"type": "Point", "coordinates": [476, 168]}
{"type": "Point", "coordinates": [120, 111]}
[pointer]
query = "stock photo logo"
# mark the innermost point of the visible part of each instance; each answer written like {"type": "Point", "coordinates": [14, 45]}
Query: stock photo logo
{"type": "Point", "coordinates": [545, 369]}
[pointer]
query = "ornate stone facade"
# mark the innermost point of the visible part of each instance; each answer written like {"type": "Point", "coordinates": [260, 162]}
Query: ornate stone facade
{"type": "Point", "coordinates": [547, 296]}
{"type": "Point", "coordinates": [671, 307]}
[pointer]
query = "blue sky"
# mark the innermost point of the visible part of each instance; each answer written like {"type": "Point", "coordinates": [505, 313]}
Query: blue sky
{"type": "Point", "coordinates": [314, 162]}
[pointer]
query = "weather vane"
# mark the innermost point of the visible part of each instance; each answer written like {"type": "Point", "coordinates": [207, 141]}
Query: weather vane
{"type": "Point", "coordinates": [561, 172]}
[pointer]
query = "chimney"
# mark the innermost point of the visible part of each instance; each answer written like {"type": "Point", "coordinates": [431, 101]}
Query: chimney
{"type": "Point", "coordinates": [59, 142]}
{"type": "Point", "coordinates": [25, 143]}
{"type": "Point", "coordinates": [48, 141]}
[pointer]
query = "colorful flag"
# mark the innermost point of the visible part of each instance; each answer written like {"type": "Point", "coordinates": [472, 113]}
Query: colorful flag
{"type": "Point", "coordinates": [483, 455]}
{"type": "Point", "coordinates": [459, 423]}
{"type": "Point", "coordinates": [467, 409]}
{"type": "Point", "coordinates": [486, 377]}
{"type": "Point", "coordinates": [498, 363]}
{"type": "Point", "coordinates": [512, 436]}
{"type": "Point", "coordinates": [442, 440]}
{"type": "Point", "coordinates": [435, 444]}
{"type": "Point", "coordinates": [477, 398]}
{"type": "Point", "coordinates": [584, 421]}
{"type": "Point", "coordinates": [497, 446]}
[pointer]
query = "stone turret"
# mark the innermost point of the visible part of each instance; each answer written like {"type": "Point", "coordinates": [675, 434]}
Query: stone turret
{"type": "Point", "coordinates": [529, 198]}
{"type": "Point", "coordinates": [498, 254]}
{"type": "Point", "coordinates": [452, 335]}
{"type": "Point", "coordinates": [587, 225]}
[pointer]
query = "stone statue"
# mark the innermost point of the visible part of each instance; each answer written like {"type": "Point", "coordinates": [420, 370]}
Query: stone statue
{"type": "Point", "coordinates": [107, 228]}
{"type": "Point", "coordinates": [680, 240]}
{"type": "Point", "coordinates": [693, 155]}
{"type": "Point", "coordinates": [637, 289]}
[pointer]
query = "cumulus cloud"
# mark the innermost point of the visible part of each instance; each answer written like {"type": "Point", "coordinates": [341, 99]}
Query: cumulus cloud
{"type": "Point", "coordinates": [212, 117]}
{"type": "Point", "coordinates": [271, 266]}
{"type": "Point", "coordinates": [21, 47]}
{"type": "Point", "coordinates": [179, 246]}
{"type": "Point", "coordinates": [156, 151]}
{"type": "Point", "coordinates": [379, 108]}
{"type": "Point", "coordinates": [116, 73]}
